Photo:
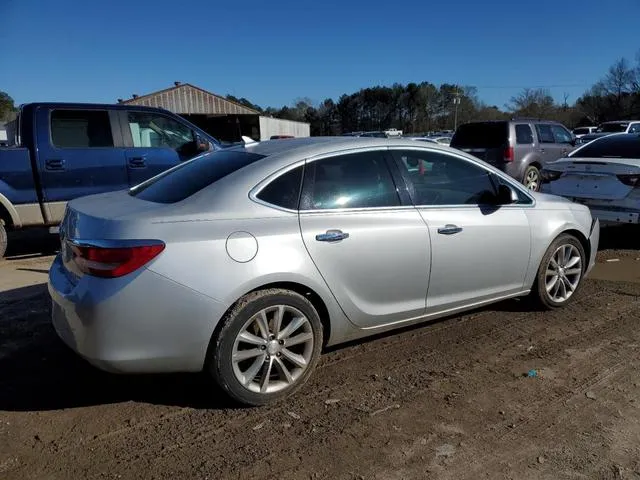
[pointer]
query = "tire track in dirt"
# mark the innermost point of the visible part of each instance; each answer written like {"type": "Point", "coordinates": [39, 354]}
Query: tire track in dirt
{"type": "Point", "coordinates": [456, 344]}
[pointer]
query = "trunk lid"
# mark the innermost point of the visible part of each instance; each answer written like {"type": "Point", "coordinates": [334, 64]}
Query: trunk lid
{"type": "Point", "coordinates": [595, 178]}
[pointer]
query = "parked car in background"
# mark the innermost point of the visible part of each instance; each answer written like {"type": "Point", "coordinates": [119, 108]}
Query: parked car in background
{"type": "Point", "coordinates": [604, 175]}
{"type": "Point", "coordinates": [376, 134]}
{"type": "Point", "coordinates": [435, 139]}
{"type": "Point", "coordinates": [259, 256]}
{"type": "Point", "coordinates": [70, 150]}
{"type": "Point", "coordinates": [518, 147]}
{"type": "Point", "coordinates": [607, 128]}
{"type": "Point", "coordinates": [393, 132]}
{"type": "Point", "coordinates": [582, 131]}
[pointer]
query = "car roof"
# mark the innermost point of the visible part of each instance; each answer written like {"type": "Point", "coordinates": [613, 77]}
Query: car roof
{"type": "Point", "coordinates": [314, 146]}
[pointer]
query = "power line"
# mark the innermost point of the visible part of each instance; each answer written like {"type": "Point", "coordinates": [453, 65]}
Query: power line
{"type": "Point", "coordinates": [566, 85]}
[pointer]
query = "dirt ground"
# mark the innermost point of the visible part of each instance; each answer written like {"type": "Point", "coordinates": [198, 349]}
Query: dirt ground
{"type": "Point", "coordinates": [450, 399]}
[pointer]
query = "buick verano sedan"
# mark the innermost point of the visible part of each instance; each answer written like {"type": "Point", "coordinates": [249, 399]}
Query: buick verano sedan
{"type": "Point", "coordinates": [246, 262]}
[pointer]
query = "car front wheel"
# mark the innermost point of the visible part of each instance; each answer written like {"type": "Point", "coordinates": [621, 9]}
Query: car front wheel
{"type": "Point", "coordinates": [267, 347]}
{"type": "Point", "coordinates": [560, 273]}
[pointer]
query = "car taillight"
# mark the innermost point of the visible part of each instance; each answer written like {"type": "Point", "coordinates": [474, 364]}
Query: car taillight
{"type": "Point", "coordinates": [630, 180]}
{"type": "Point", "coordinates": [113, 262]}
{"type": "Point", "coordinates": [508, 154]}
{"type": "Point", "coordinates": [549, 175]}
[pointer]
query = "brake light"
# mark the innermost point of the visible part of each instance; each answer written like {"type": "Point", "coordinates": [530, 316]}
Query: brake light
{"type": "Point", "coordinates": [114, 262]}
{"type": "Point", "coordinates": [508, 154]}
{"type": "Point", "coordinates": [630, 180]}
{"type": "Point", "coordinates": [549, 175]}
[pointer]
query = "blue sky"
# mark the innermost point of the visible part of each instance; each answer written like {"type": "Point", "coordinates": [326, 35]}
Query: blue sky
{"type": "Point", "coordinates": [274, 52]}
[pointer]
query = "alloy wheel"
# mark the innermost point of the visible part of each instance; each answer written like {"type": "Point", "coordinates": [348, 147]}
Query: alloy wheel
{"type": "Point", "coordinates": [563, 273]}
{"type": "Point", "coordinates": [532, 179]}
{"type": "Point", "coordinates": [273, 349]}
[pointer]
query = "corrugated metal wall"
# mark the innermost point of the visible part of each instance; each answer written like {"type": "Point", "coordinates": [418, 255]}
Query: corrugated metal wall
{"type": "Point", "coordinates": [187, 100]}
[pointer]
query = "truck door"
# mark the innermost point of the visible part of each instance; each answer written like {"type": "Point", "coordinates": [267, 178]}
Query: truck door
{"type": "Point", "coordinates": [79, 152]}
{"type": "Point", "coordinates": [155, 142]}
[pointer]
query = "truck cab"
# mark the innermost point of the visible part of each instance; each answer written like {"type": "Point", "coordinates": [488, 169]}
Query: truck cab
{"type": "Point", "coordinates": [61, 151]}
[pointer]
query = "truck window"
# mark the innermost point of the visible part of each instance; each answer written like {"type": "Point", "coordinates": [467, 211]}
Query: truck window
{"type": "Point", "coordinates": [81, 129]}
{"type": "Point", "coordinates": [150, 130]}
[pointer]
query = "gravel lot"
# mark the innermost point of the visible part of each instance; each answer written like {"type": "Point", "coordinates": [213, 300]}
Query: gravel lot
{"type": "Point", "coordinates": [450, 399]}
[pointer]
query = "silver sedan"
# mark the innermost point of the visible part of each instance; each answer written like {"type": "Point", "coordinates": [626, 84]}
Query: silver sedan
{"type": "Point", "coordinates": [245, 263]}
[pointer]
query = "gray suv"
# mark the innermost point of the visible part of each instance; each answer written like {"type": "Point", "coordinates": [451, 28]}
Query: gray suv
{"type": "Point", "coordinates": [520, 148]}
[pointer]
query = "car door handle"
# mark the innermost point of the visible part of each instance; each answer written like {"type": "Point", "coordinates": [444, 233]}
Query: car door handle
{"type": "Point", "coordinates": [332, 236]}
{"type": "Point", "coordinates": [137, 162]}
{"type": "Point", "coordinates": [449, 229]}
{"type": "Point", "coordinates": [55, 164]}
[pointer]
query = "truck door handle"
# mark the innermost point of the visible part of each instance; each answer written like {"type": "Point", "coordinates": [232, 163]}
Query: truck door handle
{"type": "Point", "coordinates": [332, 236]}
{"type": "Point", "coordinates": [542, 150]}
{"type": "Point", "coordinates": [137, 162]}
{"type": "Point", "coordinates": [55, 164]}
{"type": "Point", "coordinates": [449, 229]}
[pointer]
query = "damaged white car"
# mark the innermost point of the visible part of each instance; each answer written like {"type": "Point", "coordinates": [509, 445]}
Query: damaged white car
{"type": "Point", "coordinates": [604, 175]}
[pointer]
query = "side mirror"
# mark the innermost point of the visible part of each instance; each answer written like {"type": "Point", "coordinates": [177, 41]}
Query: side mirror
{"type": "Point", "coordinates": [506, 195]}
{"type": "Point", "coordinates": [202, 145]}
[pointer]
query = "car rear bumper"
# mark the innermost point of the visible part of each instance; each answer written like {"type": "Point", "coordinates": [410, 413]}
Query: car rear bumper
{"type": "Point", "coordinates": [616, 216]}
{"type": "Point", "coordinates": [140, 323]}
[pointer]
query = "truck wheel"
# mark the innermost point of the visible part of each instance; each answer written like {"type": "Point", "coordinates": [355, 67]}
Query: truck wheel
{"type": "Point", "coordinates": [3, 240]}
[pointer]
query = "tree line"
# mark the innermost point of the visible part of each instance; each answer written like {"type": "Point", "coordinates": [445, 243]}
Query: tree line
{"type": "Point", "coordinates": [424, 107]}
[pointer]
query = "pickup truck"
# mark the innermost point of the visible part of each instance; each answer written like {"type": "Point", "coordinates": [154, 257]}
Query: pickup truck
{"type": "Point", "coordinates": [66, 150]}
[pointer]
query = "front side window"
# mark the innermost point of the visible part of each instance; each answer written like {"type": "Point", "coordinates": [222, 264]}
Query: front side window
{"type": "Point", "coordinates": [561, 135]}
{"type": "Point", "coordinates": [81, 129]}
{"type": "Point", "coordinates": [284, 191]}
{"type": "Point", "coordinates": [435, 178]}
{"type": "Point", "coordinates": [150, 130]}
{"type": "Point", "coordinates": [524, 135]}
{"type": "Point", "coordinates": [545, 134]}
{"type": "Point", "coordinates": [358, 180]}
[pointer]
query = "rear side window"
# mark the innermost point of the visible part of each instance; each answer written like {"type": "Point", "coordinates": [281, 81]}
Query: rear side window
{"type": "Point", "coordinates": [619, 146]}
{"type": "Point", "coordinates": [635, 128]}
{"type": "Point", "coordinates": [81, 129]}
{"type": "Point", "coordinates": [524, 135]}
{"type": "Point", "coordinates": [357, 180]}
{"type": "Point", "coordinates": [284, 191]}
{"type": "Point", "coordinates": [545, 134]}
{"type": "Point", "coordinates": [180, 183]}
{"type": "Point", "coordinates": [481, 135]}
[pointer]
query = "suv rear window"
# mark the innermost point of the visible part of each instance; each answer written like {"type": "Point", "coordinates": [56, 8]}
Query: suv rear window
{"type": "Point", "coordinates": [618, 146]}
{"type": "Point", "coordinates": [481, 135]}
{"type": "Point", "coordinates": [176, 185]}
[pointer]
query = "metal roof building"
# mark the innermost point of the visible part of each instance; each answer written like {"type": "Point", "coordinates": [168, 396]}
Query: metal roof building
{"type": "Point", "coordinates": [224, 119]}
{"type": "Point", "coordinates": [186, 99]}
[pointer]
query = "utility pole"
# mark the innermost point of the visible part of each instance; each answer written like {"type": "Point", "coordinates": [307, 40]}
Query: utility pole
{"type": "Point", "coordinates": [456, 102]}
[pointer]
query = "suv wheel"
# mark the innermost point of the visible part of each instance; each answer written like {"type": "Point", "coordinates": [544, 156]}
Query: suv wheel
{"type": "Point", "coordinates": [267, 347]}
{"type": "Point", "coordinates": [532, 179]}
{"type": "Point", "coordinates": [3, 240]}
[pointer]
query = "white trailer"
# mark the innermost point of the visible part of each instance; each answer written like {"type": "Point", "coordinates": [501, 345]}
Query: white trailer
{"type": "Point", "coordinates": [270, 127]}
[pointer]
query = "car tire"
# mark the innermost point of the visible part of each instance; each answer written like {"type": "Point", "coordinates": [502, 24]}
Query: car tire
{"type": "Point", "coordinates": [559, 277]}
{"type": "Point", "coordinates": [3, 240]}
{"type": "Point", "coordinates": [249, 344]}
{"type": "Point", "coordinates": [532, 179]}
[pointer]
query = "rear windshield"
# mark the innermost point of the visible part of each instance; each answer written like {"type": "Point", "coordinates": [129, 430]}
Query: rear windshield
{"type": "Point", "coordinates": [613, 127]}
{"type": "Point", "coordinates": [191, 177]}
{"type": "Point", "coordinates": [481, 135]}
{"type": "Point", "coordinates": [617, 146]}
{"type": "Point", "coordinates": [581, 131]}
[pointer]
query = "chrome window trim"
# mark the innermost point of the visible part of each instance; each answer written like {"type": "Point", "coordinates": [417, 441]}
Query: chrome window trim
{"type": "Point", "coordinates": [255, 191]}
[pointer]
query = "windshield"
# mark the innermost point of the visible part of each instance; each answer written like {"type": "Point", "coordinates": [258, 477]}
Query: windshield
{"type": "Point", "coordinates": [613, 127]}
{"type": "Point", "coordinates": [481, 135]}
